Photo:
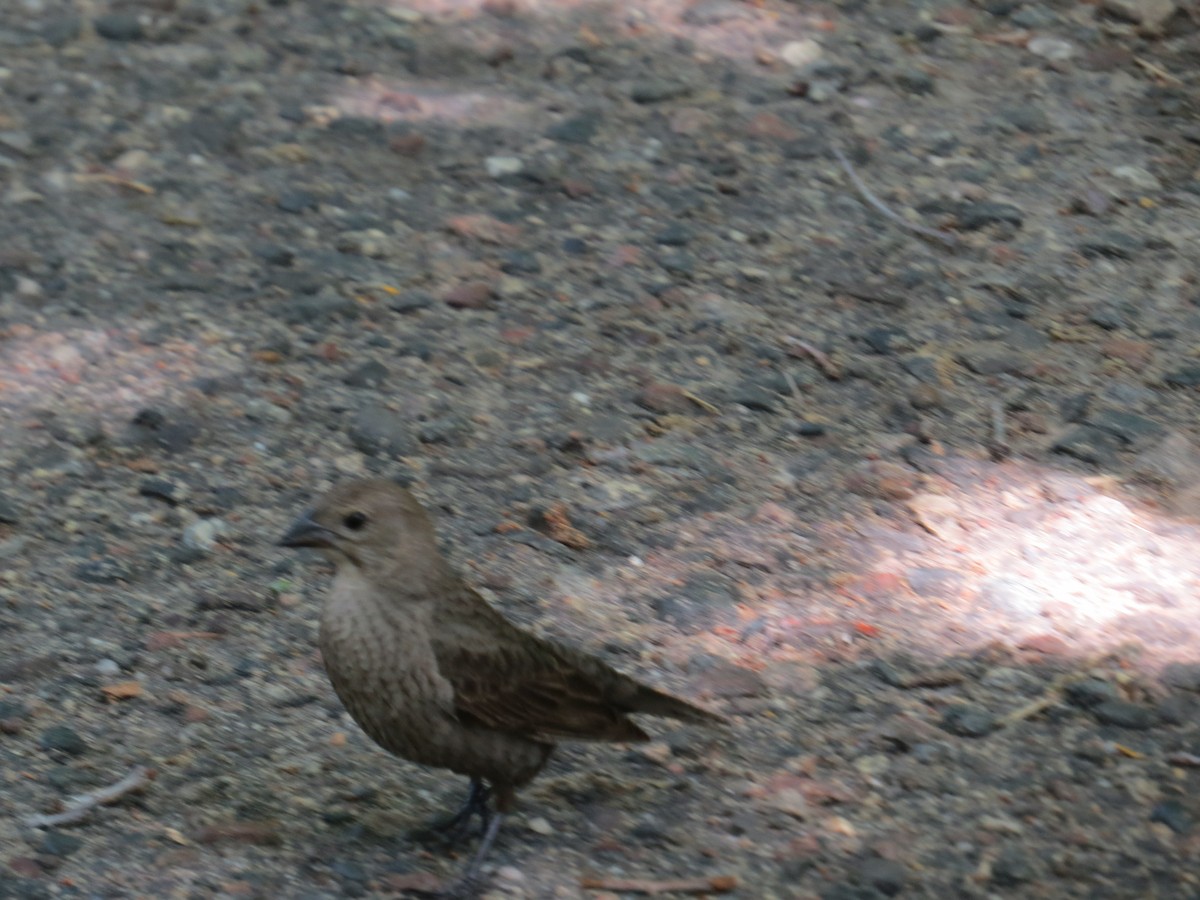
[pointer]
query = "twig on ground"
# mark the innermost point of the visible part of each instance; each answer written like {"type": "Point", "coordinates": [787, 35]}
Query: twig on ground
{"type": "Point", "coordinates": [803, 348]}
{"type": "Point", "coordinates": [945, 237]}
{"type": "Point", "coordinates": [1157, 71]}
{"type": "Point", "coordinates": [701, 402]}
{"type": "Point", "coordinates": [79, 806]}
{"type": "Point", "coordinates": [715, 884]}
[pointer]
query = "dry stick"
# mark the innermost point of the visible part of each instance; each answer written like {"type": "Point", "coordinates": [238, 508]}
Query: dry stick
{"type": "Point", "coordinates": [79, 806]}
{"type": "Point", "coordinates": [827, 366]}
{"type": "Point", "coordinates": [716, 884]}
{"type": "Point", "coordinates": [944, 236]}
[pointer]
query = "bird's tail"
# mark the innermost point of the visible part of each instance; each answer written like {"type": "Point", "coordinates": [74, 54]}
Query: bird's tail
{"type": "Point", "coordinates": [656, 703]}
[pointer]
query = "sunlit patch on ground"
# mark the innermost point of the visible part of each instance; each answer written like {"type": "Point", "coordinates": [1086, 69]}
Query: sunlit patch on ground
{"type": "Point", "coordinates": [961, 557]}
{"type": "Point", "coordinates": [100, 376]}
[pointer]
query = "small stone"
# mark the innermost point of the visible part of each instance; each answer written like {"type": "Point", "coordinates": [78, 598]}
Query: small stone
{"type": "Point", "coordinates": [503, 166]}
{"type": "Point", "coordinates": [62, 739]}
{"type": "Point", "coordinates": [1088, 444]}
{"type": "Point", "coordinates": [1013, 867]}
{"type": "Point", "coordinates": [1185, 676]}
{"type": "Point", "coordinates": [674, 235]}
{"type": "Point", "coordinates": [662, 398]}
{"type": "Point", "coordinates": [1112, 244]}
{"type": "Point", "coordinates": [974, 216]}
{"type": "Point", "coordinates": [1150, 14]}
{"type": "Point", "coordinates": [58, 843]}
{"type": "Point", "coordinates": [162, 489]}
{"type": "Point", "coordinates": [914, 81]}
{"type": "Point", "coordinates": [885, 875]}
{"type": "Point", "coordinates": [201, 536]}
{"type": "Point", "coordinates": [1174, 815]}
{"type": "Point", "coordinates": [471, 295]}
{"type": "Point", "coordinates": [370, 374]}
{"type": "Point", "coordinates": [411, 301]}
{"type": "Point", "coordinates": [801, 53]}
{"type": "Point", "coordinates": [105, 570]}
{"type": "Point", "coordinates": [658, 90]}
{"type": "Point", "coordinates": [1127, 427]}
{"type": "Point", "coordinates": [966, 720]}
{"type": "Point", "coordinates": [119, 27]}
{"type": "Point", "coordinates": [1090, 692]}
{"type": "Point", "coordinates": [1051, 48]}
{"type": "Point", "coordinates": [755, 397]}
{"type": "Point", "coordinates": [539, 825]}
{"type": "Point", "coordinates": [576, 130]}
{"type": "Point", "coordinates": [108, 667]}
{"type": "Point", "coordinates": [296, 201]}
{"type": "Point", "coordinates": [1125, 715]}
{"type": "Point", "coordinates": [378, 431]}
{"type": "Point", "coordinates": [1188, 376]}
{"type": "Point", "coordinates": [1138, 177]}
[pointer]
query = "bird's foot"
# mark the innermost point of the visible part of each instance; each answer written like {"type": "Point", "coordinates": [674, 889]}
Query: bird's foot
{"type": "Point", "coordinates": [457, 827]}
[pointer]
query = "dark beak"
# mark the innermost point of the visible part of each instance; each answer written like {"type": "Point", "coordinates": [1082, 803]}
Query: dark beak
{"type": "Point", "coordinates": [306, 532]}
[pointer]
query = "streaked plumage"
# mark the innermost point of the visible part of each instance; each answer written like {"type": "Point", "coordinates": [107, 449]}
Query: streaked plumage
{"type": "Point", "coordinates": [433, 673]}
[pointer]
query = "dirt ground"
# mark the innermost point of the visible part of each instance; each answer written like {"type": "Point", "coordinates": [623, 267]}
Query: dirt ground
{"type": "Point", "coordinates": [909, 493]}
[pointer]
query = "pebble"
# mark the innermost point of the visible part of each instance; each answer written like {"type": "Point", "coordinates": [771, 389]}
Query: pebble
{"type": "Point", "coordinates": [1174, 815]}
{"type": "Point", "coordinates": [503, 166]}
{"type": "Point", "coordinates": [967, 720]}
{"type": "Point", "coordinates": [108, 667]}
{"type": "Point", "coordinates": [378, 431]}
{"type": "Point", "coordinates": [884, 875]}
{"type": "Point", "coordinates": [658, 90]}
{"type": "Point", "coordinates": [58, 843]}
{"type": "Point", "coordinates": [539, 825]}
{"type": "Point", "coordinates": [370, 374]}
{"type": "Point", "coordinates": [800, 53]}
{"type": "Point", "coordinates": [202, 535]}
{"type": "Point", "coordinates": [119, 27]}
{"type": "Point", "coordinates": [63, 739]}
{"type": "Point", "coordinates": [1124, 714]}
{"type": "Point", "coordinates": [1138, 177]}
{"type": "Point", "coordinates": [1013, 867]}
{"type": "Point", "coordinates": [1051, 48]}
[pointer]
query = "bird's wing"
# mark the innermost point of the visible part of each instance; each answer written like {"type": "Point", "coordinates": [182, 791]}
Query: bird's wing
{"type": "Point", "coordinates": [508, 680]}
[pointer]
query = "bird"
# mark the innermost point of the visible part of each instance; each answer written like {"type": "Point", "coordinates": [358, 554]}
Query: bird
{"type": "Point", "coordinates": [436, 675]}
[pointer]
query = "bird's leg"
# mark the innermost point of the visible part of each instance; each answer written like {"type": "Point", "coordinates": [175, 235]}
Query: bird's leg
{"type": "Point", "coordinates": [455, 827]}
{"type": "Point", "coordinates": [466, 885]}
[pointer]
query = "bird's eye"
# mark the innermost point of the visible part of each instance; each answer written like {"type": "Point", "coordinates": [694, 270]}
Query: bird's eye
{"type": "Point", "coordinates": [355, 521]}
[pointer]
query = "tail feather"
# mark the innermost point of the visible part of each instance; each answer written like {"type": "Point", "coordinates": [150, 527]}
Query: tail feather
{"type": "Point", "coordinates": [656, 703]}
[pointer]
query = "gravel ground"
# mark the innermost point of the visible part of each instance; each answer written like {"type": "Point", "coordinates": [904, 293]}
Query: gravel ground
{"type": "Point", "coordinates": [916, 512]}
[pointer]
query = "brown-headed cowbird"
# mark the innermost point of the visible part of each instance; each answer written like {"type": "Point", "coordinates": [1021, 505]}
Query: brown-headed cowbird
{"type": "Point", "coordinates": [434, 674]}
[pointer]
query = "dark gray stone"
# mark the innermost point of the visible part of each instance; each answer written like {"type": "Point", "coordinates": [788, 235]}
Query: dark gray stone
{"type": "Point", "coordinates": [1124, 714]}
{"type": "Point", "coordinates": [370, 374]}
{"type": "Point", "coordinates": [575, 130]}
{"type": "Point", "coordinates": [119, 27]}
{"type": "Point", "coordinates": [885, 875]}
{"type": "Point", "coordinates": [658, 90]}
{"type": "Point", "coordinates": [1088, 444]}
{"type": "Point", "coordinates": [1013, 867]}
{"type": "Point", "coordinates": [62, 739]}
{"type": "Point", "coordinates": [1174, 815]}
{"type": "Point", "coordinates": [967, 720]}
{"type": "Point", "coordinates": [378, 431]}
{"type": "Point", "coordinates": [974, 216]}
{"type": "Point", "coordinates": [58, 843]}
{"type": "Point", "coordinates": [1090, 692]}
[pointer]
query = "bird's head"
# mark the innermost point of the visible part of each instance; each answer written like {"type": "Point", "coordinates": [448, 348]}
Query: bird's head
{"type": "Point", "coordinates": [374, 525]}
